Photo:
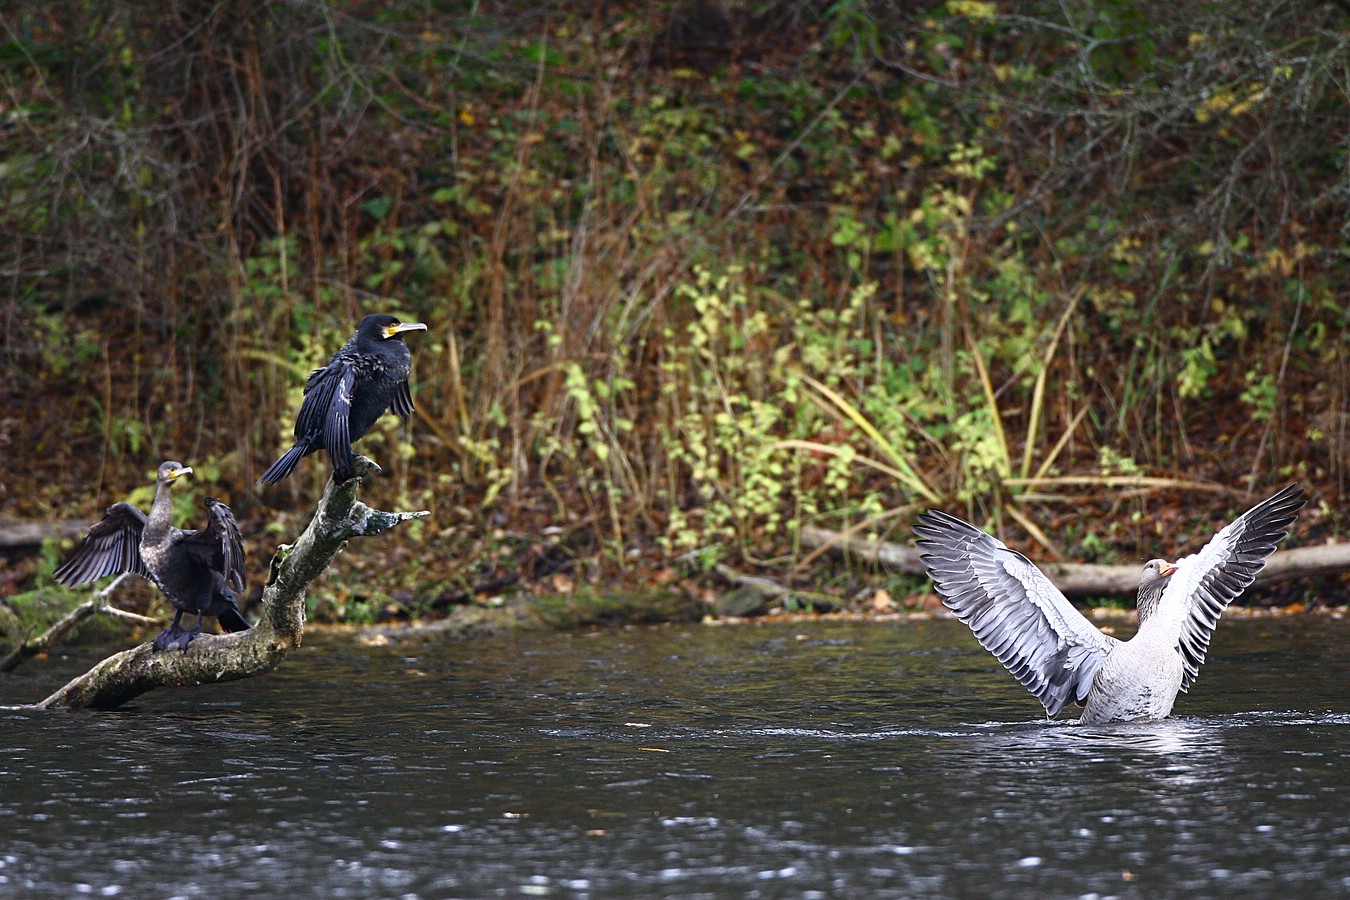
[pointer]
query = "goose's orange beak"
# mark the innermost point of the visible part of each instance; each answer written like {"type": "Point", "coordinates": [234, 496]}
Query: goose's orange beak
{"type": "Point", "coordinates": [1167, 569]}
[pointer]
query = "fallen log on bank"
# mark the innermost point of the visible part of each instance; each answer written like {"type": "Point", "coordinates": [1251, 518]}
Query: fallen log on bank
{"type": "Point", "coordinates": [1082, 579]}
{"type": "Point", "coordinates": [16, 535]}
{"type": "Point", "coordinates": [228, 657]}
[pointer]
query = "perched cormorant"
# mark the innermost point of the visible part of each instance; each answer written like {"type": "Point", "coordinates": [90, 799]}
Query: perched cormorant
{"type": "Point", "coordinates": [199, 571]}
{"type": "Point", "coordinates": [1018, 615]}
{"type": "Point", "coordinates": [345, 398]}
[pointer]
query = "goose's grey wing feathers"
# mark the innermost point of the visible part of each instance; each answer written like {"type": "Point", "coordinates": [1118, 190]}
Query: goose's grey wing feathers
{"type": "Point", "coordinates": [1206, 582]}
{"type": "Point", "coordinates": [1014, 610]}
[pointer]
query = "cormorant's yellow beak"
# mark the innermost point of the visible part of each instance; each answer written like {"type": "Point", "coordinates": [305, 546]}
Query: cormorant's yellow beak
{"type": "Point", "coordinates": [179, 473]}
{"type": "Point", "coordinates": [1167, 569]}
{"type": "Point", "coordinates": [391, 330]}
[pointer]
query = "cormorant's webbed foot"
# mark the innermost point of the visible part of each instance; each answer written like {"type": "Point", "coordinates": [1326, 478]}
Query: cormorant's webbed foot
{"type": "Point", "coordinates": [168, 637]}
{"type": "Point", "coordinates": [175, 635]}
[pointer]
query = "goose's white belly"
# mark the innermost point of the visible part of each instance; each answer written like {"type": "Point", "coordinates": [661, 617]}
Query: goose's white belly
{"type": "Point", "coordinates": [1139, 680]}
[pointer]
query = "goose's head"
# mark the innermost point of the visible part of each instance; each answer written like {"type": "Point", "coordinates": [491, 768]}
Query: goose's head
{"type": "Point", "coordinates": [1152, 583]}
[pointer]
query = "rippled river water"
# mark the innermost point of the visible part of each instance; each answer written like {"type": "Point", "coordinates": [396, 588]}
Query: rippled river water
{"type": "Point", "coordinates": [804, 760]}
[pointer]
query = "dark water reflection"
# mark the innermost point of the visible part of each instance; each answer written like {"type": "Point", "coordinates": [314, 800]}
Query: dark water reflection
{"type": "Point", "coordinates": [821, 760]}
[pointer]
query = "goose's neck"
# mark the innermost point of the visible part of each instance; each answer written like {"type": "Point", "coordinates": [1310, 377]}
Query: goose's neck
{"type": "Point", "coordinates": [1148, 603]}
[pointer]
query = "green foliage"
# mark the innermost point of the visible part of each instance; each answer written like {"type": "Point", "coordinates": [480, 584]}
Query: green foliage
{"type": "Point", "coordinates": [1261, 395]}
{"type": "Point", "coordinates": [720, 402]}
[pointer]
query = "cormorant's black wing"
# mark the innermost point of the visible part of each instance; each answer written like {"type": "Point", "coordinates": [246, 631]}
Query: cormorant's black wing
{"type": "Point", "coordinates": [1014, 610]}
{"type": "Point", "coordinates": [218, 546]}
{"type": "Point", "coordinates": [111, 547]}
{"type": "Point", "coordinates": [327, 410]}
{"type": "Point", "coordinates": [337, 438]}
{"type": "Point", "coordinates": [401, 405]}
{"type": "Point", "coordinates": [319, 390]}
{"type": "Point", "coordinates": [1224, 568]}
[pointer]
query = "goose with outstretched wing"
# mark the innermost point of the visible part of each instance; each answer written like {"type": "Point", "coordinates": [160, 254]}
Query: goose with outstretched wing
{"type": "Point", "coordinates": [1018, 615]}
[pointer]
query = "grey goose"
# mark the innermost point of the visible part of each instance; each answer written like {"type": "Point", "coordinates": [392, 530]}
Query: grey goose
{"type": "Point", "coordinates": [1017, 614]}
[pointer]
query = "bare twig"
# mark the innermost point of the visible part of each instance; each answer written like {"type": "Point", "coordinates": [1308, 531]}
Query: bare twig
{"type": "Point", "coordinates": [1279, 387]}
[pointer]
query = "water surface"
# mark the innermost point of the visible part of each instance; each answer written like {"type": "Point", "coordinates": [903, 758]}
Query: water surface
{"type": "Point", "coordinates": [807, 760]}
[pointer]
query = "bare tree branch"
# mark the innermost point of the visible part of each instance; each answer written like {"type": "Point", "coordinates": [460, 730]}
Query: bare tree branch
{"type": "Point", "coordinates": [31, 534]}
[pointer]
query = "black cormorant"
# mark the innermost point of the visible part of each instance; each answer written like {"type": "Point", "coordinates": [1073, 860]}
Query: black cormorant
{"type": "Point", "coordinates": [199, 571]}
{"type": "Point", "coordinates": [345, 398]}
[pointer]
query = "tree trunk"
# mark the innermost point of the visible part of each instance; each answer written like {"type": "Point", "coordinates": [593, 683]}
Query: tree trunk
{"type": "Point", "coordinates": [243, 654]}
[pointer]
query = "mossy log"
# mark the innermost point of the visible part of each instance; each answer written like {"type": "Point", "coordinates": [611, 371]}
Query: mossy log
{"type": "Point", "coordinates": [243, 654]}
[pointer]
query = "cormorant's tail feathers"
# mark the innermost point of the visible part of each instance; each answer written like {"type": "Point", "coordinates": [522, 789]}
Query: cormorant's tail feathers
{"type": "Point", "coordinates": [284, 466]}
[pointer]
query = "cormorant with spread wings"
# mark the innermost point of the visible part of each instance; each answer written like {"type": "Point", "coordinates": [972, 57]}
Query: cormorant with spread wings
{"type": "Point", "coordinates": [199, 571]}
